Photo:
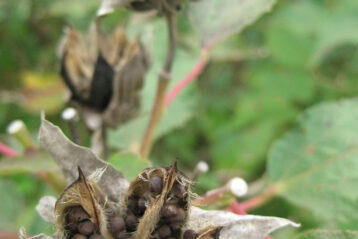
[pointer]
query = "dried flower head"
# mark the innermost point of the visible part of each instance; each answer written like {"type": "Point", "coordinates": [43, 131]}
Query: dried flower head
{"type": "Point", "coordinates": [104, 74]}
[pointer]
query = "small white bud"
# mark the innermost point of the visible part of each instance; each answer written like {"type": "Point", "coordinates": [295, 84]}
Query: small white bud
{"type": "Point", "coordinates": [202, 167]}
{"type": "Point", "coordinates": [238, 187]}
{"type": "Point", "coordinates": [69, 114]}
{"type": "Point", "coordinates": [15, 126]}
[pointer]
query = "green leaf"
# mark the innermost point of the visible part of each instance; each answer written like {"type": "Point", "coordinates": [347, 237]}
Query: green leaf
{"type": "Point", "coordinates": [327, 26]}
{"type": "Point", "coordinates": [128, 163]}
{"type": "Point", "coordinates": [315, 165]}
{"type": "Point", "coordinates": [326, 234]}
{"type": "Point", "coordinates": [216, 20]}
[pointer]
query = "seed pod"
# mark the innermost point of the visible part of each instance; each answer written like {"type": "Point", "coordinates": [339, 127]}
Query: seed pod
{"type": "Point", "coordinates": [104, 75]}
{"type": "Point", "coordinates": [81, 208]}
{"type": "Point", "coordinates": [165, 209]}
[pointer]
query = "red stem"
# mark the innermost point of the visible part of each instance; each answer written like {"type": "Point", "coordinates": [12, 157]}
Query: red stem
{"type": "Point", "coordinates": [7, 235]}
{"type": "Point", "coordinates": [6, 150]}
{"type": "Point", "coordinates": [198, 68]}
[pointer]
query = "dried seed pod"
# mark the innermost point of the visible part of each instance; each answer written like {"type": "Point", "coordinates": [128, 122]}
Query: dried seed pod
{"type": "Point", "coordinates": [165, 206]}
{"type": "Point", "coordinates": [81, 207]}
{"type": "Point", "coordinates": [104, 75]}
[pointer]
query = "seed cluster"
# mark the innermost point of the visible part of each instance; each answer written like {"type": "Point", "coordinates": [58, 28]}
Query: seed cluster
{"type": "Point", "coordinates": [79, 225]}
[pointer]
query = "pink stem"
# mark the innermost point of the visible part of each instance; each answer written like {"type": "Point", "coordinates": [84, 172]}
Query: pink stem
{"type": "Point", "coordinates": [7, 235]}
{"type": "Point", "coordinates": [198, 68]}
{"type": "Point", "coordinates": [6, 150]}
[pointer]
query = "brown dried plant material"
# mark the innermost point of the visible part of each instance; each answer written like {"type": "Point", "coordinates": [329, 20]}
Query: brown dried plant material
{"type": "Point", "coordinates": [80, 209]}
{"type": "Point", "coordinates": [104, 74]}
{"type": "Point", "coordinates": [158, 199]}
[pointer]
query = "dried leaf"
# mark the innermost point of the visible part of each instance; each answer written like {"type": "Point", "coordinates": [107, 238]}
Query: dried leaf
{"type": "Point", "coordinates": [236, 226]}
{"type": "Point", "coordinates": [46, 208]}
{"type": "Point", "coordinates": [69, 155]}
{"type": "Point", "coordinates": [22, 235]}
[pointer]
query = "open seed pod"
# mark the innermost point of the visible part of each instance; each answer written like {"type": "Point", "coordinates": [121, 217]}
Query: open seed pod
{"type": "Point", "coordinates": [80, 211]}
{"type": "Point", "coordinates": [156, 204]}
{"type": "Point", "coordinates": [104, 74]}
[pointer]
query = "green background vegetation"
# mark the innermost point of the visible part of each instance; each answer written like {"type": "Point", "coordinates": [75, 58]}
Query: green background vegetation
{"type": "Point", "coordinates": [256, 84]}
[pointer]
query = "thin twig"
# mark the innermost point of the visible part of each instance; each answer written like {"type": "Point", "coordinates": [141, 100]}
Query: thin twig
{"type": "Point", "coordinates": [163, 80]}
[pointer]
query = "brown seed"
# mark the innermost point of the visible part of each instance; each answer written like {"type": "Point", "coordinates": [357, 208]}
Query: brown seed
{"type": "Point", "coordinates": [123, 235]}
{"type": "Point", "coordinates": [156, 184]}
{"type": "Point", "coordinates": [132, 204]}
{"type": "Point", "coordinates": [131, 222]}
{"type": "Point", "coordinates": [116, 224]}
{"type": "Point", "coordinates": [179, 216]}
{"type": "Point", "coordinates": [190, 234]}
{"type": "Point", "coordinates": [96, 236]}
{"type": "Point", "coordinates": [163, 231]}
{"type": "Point", "coordinates": [79, 236]}
{"type": "Point", "coordinates": [178, 190]}
{"type": "Point", "coordinates": [141, 203]}
{"type": "Point", "coordinates": [169, 210]}
{"type": "Point", "coordinates": [76, 214]}
{"type": "Point", "coordinates": [72, 227]}
{"type": "Point", "coordinates": [86, 227]}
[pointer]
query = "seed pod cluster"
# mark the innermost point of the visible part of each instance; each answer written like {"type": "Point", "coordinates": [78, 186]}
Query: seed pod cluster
{"type": "Point", "coordinates": [155, 207]}
{"type": "Point", "coordinates": [158, 199]}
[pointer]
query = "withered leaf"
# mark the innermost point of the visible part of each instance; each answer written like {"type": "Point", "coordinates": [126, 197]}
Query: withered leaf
{"type": "Point", "coordinates": [236, 226]}
{"type": "Point", "coordinates": [69, 155]}
{"type": "Point", "coordinates": [83, 192]}
{"type": "Point", "coordinates": [23, 235]}
{"type": "Point", "coordinates": [45, 208]}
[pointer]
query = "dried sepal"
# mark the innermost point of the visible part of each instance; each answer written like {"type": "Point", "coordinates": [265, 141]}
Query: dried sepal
{"type": "Point", "coordinates": [45, 208]}
{"type": "Point", "coordinates": [69, 155]}
{"type": "Point", "coordinates": [83, 193]}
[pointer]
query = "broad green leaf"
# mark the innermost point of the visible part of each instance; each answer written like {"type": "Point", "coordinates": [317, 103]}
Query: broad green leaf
{"type": "Point", "coordinates": [328, 26]}
{"type": "Point", "coordinates": [128, 163]}
{"type": "Point", "coordinates": [177, 114]}
{"type": "Point", "coordinates": [216, 20]}
{"type": "Point", "coordinates": [326, 234]}
{"type": "Point", "coordinates": [315, 165]}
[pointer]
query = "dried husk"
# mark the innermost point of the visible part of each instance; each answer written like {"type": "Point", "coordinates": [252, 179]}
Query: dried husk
{"type": "Point", "coordinates": [83, 192]}
{"type": "Point", "coordinates": [152, 215]}
{"type": "Point", "coordinates": [104, 74]}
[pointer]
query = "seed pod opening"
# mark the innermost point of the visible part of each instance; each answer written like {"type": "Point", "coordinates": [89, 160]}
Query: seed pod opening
{"type": "Point", "coordinates": [157, 202]}
{"type": "Point", "coordinates": [80, 210]}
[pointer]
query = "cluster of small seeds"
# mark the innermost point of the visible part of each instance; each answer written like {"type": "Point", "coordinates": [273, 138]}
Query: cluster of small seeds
{"type": "Point", "coordinates": [117, 226]}
{"type": "Point", "coordinates": [172, 214]}
{"type": "Point", "coordinates": [79, 225]}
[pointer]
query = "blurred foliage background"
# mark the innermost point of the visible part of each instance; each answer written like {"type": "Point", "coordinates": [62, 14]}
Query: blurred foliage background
{"type": "Point", "coordinates": [252, 90]}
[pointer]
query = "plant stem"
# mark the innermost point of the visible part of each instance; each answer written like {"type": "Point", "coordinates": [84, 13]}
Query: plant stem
{"type": "Point", "coordinates": [259, 200]}
{"type": "Point", "coordinates": [198, 68]}
{"type": "Point", "coordinates": [163, 81]}
{"type": "Point", "coordinates": [8, 235]}
{"type": "Point", "coordinates": [6, 150]}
